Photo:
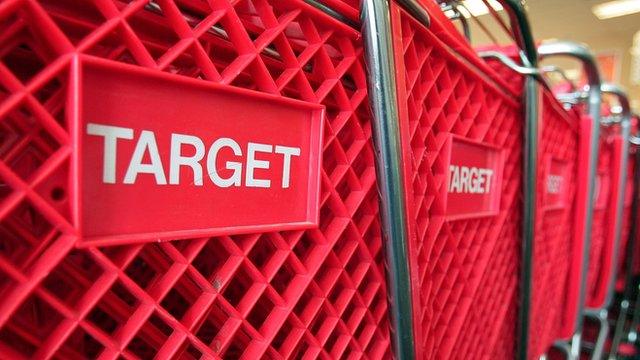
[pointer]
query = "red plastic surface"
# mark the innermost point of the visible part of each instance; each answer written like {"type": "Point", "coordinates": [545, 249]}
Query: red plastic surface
{"type": "Point", "coordinates": [464, 272]}
{"type": "Point", "coordinates": [281, 294]}
{"type": "Point", "coordinates": [604, 219]}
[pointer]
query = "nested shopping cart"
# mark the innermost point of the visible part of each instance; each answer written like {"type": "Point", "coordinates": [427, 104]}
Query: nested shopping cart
{"type": "Point", "coordinates": [627, 319]}
{"type": "Point", "coordinates": [461, 129]}
{"type": "Point", "coordinates": [555, 252]}
{"type": "Point", "coordinates": [223, 291]}
{"type": "Point", "coordinates": [609, 202]}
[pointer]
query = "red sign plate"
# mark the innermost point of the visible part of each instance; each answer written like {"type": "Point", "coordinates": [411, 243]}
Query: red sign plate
{"type": "Point", "coordinates": [161, 156]}
{"type": "Point", "coordinates": [556, 182]}
{"type": "Point", "coordinates": [474, 179]}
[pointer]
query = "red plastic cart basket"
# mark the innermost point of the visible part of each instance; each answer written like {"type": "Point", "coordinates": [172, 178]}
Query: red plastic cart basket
{"type": "Point", "coordinates": [275, 294]}
{"type": "Point", "coordinates": [612, 197]}
{"type": "Point", "coordinates": [578, 163]}
{"type": "Point", "coordinates": [461, 129]}
{"type": "Point", "coordinates": [609, 201]}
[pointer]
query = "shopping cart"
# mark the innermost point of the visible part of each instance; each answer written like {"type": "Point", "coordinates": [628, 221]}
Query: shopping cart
{"type": "Point", "coordinates": [565, 161]}
{"type": "Point", "coordinates": [609, 204]}
{"type": "Point", "coordinates": [284, 291]}
{"type": "Point", "coordinates": [461, 129]}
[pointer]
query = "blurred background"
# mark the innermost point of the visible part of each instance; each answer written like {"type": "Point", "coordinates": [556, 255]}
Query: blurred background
{"type": "Point", "coordinates": [611, 28]}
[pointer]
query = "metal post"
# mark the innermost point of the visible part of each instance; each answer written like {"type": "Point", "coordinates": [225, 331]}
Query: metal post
{"type": "Point", "coordinates": [376, 30]}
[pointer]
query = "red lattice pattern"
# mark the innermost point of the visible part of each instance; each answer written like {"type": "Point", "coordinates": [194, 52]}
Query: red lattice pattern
{"type": "Point", "coordinates": [465, 271]}
{"type": "Point", "coordinates": [318, 293]}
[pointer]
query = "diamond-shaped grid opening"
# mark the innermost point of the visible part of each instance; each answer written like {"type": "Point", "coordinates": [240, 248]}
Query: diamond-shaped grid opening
{"type": "Point", "coordinates": [284, 278]}
{"type": "Point", "coordinates": [24, 234]}
{"type": "Point", "coordinates": [182, 296]}
{"type": "Point", "coordinates": [76, 20]}
{"type": "Point", "coordinates": [286, 338]}
{"type": "Point", "coordinates": [238, 345]}
{"type": "Point", "coordinates": [262, 251]}
{"type": "Point", "coordinates": [245, 242]}
{"type": "Point", "coordinates": [31, 144]}
{"type": "Point", "coordinates": [308, 305]}
{"type": "Point", "coordinates": [70, 280]}
{"type": "Point", "coordinates": [148, 266]}
{"type": "Point", "coordinates": [238, 287]}
{"type": "Point", "coordinates": [142, 348]}
{"type": "Point", "coordinates": [112, 46]}
{"type": "Point", "coordinates": [24, 60]}
{"type": "Point", "coordinates": [212, 323]}
{"type": "Point", "coordinates": [154, 29]}
{"type": "Point", "coordinates": [251, 18]}
{"type": "Point", "coordinates": [260, 312]}
{"type": "Point", "coordinates": [211, 258]}
{"type": "Point", "coordinates": [30, 325]}
{"type": "Point", "coordinates": [114, 309]}
{"type": "Point", "coordinates": [80, 345]}
{"type": "Point", "coordinates": [188, 351]}
{"type": "Point", "coordinates": [150, 337]}
{"type": "Point", "coordinates": [323, 324]}
{"type": "Point", "coordinates": [306, 246]}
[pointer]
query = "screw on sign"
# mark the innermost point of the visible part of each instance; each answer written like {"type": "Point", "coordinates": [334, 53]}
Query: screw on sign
{"type": "Point", "coordinates": [270, 76]}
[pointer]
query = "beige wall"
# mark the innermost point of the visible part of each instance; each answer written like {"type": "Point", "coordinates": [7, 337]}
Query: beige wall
{"type": "Point", "coordinates": [573, 20]}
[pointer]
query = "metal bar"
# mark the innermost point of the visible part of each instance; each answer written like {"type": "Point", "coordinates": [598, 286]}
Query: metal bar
{"type": "Point", "coordinates": [619, 330]}
{"type": "Point", "coordinates": [376, 30]}
{"type": "Point", "coordinates": [522, 30]}
{"type": "Point", "coordinates": [333, 13]}
{"type": "Point", "coordinates": [601, 317]}
{"type": "Point", "coordinates": [522, 70]}
{"type": "Point", "coordinates": [582, 53]}
{"type": "Point", "coordinates": [557, 70]}
{"type": "Point", "coordinates": [416, 10]}
{"type": "Point", "coordinates": [530, 169]}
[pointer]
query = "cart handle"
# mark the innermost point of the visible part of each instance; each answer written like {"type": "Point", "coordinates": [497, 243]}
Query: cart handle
{"type": "Point", "coordinates": [582, 53]}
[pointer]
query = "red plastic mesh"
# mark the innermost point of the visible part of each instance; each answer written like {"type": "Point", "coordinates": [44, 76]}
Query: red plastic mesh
{"type": "Point", "coordinates": [465, 272]}
{"type": "Point", "coordinates": [318, 293]}
{"type": "Point", "coordinates": [559, 140]}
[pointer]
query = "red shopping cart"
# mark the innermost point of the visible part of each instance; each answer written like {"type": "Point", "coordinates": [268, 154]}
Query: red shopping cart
{"type": "Point", "coordinates": [609, 199]}
{"type": "Point", "coordinates": [584, 158]}
{"type": "Point", "coordinates": [260, 72]}
{"type": "Point", "coordinates": [461, 129]}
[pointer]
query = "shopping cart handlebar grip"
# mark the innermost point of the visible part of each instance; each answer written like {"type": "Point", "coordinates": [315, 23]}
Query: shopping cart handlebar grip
{"type": "Point", "coordinates": [582, 53]}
